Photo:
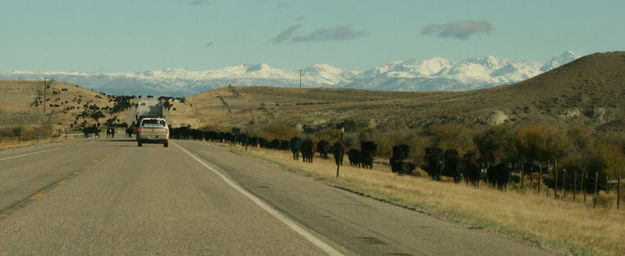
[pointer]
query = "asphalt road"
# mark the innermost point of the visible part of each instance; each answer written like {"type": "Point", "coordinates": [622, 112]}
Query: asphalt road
{"type": "Point", "coordinates": [110, 197]}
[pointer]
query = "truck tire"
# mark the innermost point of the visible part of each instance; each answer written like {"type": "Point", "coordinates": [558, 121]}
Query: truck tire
{"type": "Point", "coordinates": [139, 144]}
{"type": "Point", "coordinates": [166, 144]}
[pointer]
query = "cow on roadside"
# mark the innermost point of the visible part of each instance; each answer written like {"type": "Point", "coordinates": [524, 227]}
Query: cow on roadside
{"type": "Point", "coordinates": [400, 153]}
{"type": "Point", "coordinates": [295, 145]}
{"type": "Point", "coordinates": [323, 147]}
{"type": "Point", "coordinates": [367, 151]}
{"type": "Point", "coordinates": [354, 157]}
{"type": "Point", "coordinates": [309, 147]}
{"type": "Point", "coordinates": [472, 172]}
{"type": "Point", "coordinates": [454, 166]}
{"type": "Point", "coordinates": [110, 132]}
{"type": "Point", "coordinates": [434, 162]}
{"type": "Point", "coordinates": [499, 175]}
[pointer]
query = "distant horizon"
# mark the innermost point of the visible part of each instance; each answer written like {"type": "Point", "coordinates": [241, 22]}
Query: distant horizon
{"type": "Point", "coordinates": [129, 36]}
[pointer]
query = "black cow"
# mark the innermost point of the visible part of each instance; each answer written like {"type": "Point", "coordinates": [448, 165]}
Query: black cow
{"type": "Point", "coordinates": [402, 168]}
{"type": "Point", "coordinates": [295, 145]}
{"type": "Point", "coordinates": [129, 131]}
{"type": "Point", "coordinates": [354, 157]}
{"type": "Point", "coordinates": [338, 150]}
{"type": "Point", "coordinates": [367, 151]}
{"type": "Point", "coordinates": [499, 175]}
{"type": "Point", "coordinates": [308, 150]}
{"type": "Point", "coordinates": [472, 172]}
{"type": "Point", "coordinates": [110, 132]}
{"type": "Point", "coordinates": [323, 147]}
{"type": "Point", "coordinates": [454, 166]}
{"type": "Point", "coordinates": [434, 162]}
{"type": "Point", "coordinates": [91, 130]}
{"type": "Point", "coordinates": [400, 153]}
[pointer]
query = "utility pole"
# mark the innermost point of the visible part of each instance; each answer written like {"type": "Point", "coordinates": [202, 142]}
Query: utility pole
{"type": "Point", "coordinates": [300, 92]}
{"type": "Point", "coordinates": [45, 89]}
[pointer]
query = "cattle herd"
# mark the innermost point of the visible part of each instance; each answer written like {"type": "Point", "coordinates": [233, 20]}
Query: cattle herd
{"type": "Point", "coordinates": [437, 163]}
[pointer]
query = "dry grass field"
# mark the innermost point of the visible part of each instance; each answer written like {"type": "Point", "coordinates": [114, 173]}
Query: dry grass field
{"type": "Point", "coordinates": [570, 226]}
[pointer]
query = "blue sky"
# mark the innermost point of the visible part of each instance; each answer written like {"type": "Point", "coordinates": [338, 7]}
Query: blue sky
{"type": "Point", "coordinates": [139, 35]}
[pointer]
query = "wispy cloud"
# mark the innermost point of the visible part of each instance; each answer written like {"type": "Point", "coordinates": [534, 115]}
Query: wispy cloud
{"type": "Point", "coordinates": [339, 33]}
{"type": "Point", "coordinates": [199, 2]}
{"type": "Point", "coordinates": [209, 44]}
{"type": "Point", "coordinates": [286, 34]}
{"type": "Point", "coordinates": [458, 30]}
{"type": "Point", "coordinates": [299, 19]}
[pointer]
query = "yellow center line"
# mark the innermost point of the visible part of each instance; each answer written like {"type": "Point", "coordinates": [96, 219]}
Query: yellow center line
{"type": "Point", "coordinates": [87, 166]}
{"type": "Point", "coordinates": [37, 196]}
{"type": "Point", "coordinates": [62, 182]}
{"type": "Point", "coordinates": [2, 216]}
{"type": "Point", "coordinates": [76, 173]}
{"type": "Point", "coordinates": [95, 161]}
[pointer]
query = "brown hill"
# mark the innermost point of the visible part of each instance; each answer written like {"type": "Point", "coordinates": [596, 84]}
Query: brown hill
{"type": "Point", "coordinates": [585, 92]}
{"type": "Point", "coordinates": [21, 104]}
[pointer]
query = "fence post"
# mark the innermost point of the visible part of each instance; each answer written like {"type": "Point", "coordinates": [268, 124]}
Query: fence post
{"type": "Point", "coordinates": [522, 175]}
{"type": "Point", "coordinates": [19, 135]}
{"type": "Point", "coordinates": [540, 175]}
{"type": "Point", "coordinates": [584, 174]}
{"type": "Point", "coordinates": [564, 183]}
{"type": "Point", "coordinates": [594, 201]}
{"type": "Point", "coordinates": [575, 185]}
{"type": "Point", "coordinates": [555, 189]}
{"type": "Point", "coordinates": [531, 181]}
{"type": "Point", "coordinates": [618, 191]}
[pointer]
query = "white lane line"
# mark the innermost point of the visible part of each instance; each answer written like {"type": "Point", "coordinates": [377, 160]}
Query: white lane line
{"type": "Point", "coordinates": [323, 246]}
{"type": "Point", "coordinates": [27, 154]}
{"type": "Point", "coordinates": [32, 153]}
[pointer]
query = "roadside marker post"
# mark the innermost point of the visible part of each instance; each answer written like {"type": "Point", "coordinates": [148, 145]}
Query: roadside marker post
{"type": "Point", "coordinates": [339, 162]}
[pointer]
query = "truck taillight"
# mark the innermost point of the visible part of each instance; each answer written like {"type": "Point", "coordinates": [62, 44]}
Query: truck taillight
{"type": "Point", "coordinates": [166, 130]}
{"type": "Point", "coordinates": [139, 130]}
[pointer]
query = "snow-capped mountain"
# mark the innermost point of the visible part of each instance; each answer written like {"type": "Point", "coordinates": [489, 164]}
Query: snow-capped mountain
{"type": "Point", "coordinates": [435, 74]}
{"type": "Point", "coordinates": [438, 74]}
{"type": "Point", "coordinates": [559, 60]}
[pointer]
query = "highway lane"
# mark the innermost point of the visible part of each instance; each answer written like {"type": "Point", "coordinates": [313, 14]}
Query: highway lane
{"type": "Point", "coordinates": [362, 225]}
{"type": "Point", "coordinates": [116, 198]}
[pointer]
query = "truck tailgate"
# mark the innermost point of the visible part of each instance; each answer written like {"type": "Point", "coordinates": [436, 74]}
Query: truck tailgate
{"type": "Point", "coordinates": [153, 133]}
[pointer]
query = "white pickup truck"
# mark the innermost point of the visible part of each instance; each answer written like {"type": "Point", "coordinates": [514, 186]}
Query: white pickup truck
{"type": "Point", "coordinates": [153, 130]}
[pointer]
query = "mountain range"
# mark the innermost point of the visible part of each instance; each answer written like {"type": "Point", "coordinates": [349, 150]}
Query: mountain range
{"type": "Point", "coordinates": [435, 74]}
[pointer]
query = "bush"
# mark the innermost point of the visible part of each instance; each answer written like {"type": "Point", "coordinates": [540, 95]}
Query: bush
{"type": "Point", "coordinates": [452, 136]}
{"type": "Point", "coordinates": [368, 134]}
{"type": "Point", "coordinates": [331, 135]}
{"type": "Point", "coordinates": [278, 131]}
{"type": "Point", "coordinates": [542, 143]}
